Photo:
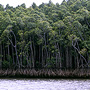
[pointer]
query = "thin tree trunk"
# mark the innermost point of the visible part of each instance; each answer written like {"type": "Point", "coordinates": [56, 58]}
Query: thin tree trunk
{"type": "Point", "coordinates": [21, 57]}
{"type": "Point", "coordinates": [13, 56]}
{"type": "Point", "coordinates": [42, 57]}
{"type": "Point", "coordinates": [77, 62]}
{"type": "Point", "coordinates": [30, 61]}
{"type": "Point", "coordinates": [9, 56]}
{"type": "Point", "coordinates": [39, 54]}
{"type": "Point", "coordinates": [45, 45]}
{"type": "Point", "coordinates": [60, 63]}
{"type": "Point", "coordinates": [79, 53]}
{"type": "Point", "coordinates": [32, 53]}
{"type": "Point", "coordinates": [67, 59]}
{"type": "Point", "coordinates": [70, 58]}
{"type": "Point", "coordinates": [56, 56]}
{"type": "Point", "coordinates": [56, 61]}
{"type": "Point", "coordinates": [0, 55]}
{"type": "Point", "coordinates": [17, 57]}
{"type": "Point", "coordinates": [3, 52]}
{"type": "Point", "coordinates": [15, 46]}
{"type": "Point", "coordinates": [27, 58]}
{"type": "Point", "coordinates": [88, 58]}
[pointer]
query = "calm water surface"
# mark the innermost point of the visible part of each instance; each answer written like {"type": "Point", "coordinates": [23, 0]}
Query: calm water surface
{"type": "Point", "coordinates": [44, 84]}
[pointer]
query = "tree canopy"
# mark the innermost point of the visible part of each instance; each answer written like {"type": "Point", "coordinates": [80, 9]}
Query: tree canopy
{"type": "Point", "coordinates": [45, 36]}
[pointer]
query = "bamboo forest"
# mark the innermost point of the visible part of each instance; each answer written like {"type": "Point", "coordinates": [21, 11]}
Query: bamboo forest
{"type": "Point", "coordinates": [45, 36]}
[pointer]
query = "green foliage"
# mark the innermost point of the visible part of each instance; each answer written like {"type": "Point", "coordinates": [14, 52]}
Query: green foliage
{"type": "Point", "coordinates": [45, 34]}
{"type": "Point", "coordinates": [83, 51]}
{"type": "Point", "coordinates": [51, 62]}
{"type": "Point", "coordinates": [73, 37]}
{"type": "Point", "coordinates": [5, 64]}
{"type": "Point", "coordinates": [1, 8]}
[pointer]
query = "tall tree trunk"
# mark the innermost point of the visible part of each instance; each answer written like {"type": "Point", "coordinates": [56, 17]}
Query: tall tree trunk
{"type": "Point", "coordinates": [21, 57]}
{"type": "Point", "coordinates": [27, 58]}
{"type": "Point", "coordinates": [77, 62]}
{"type": "Point", "coordinates": [32, 53]}
{"type": "Point", "coordinates": [79, 52]}
{"type": "Point", "coordinates": [56, 56]}
{"type": "Point", "coordinates": [45, 46]}
{"type": "Point", "coordinates": [67, 58]}
{"type": "Point", "coordinates": [9, 56]}
{"type": "Point", "coordinates": [82, 64]}
{"type": "Point", "coordinates": [3, 52]}
{"type": "Point", "coordinates": [15, 47]}
{"type": "Point", "coordinates": [30, 62]}
{"type": "Point", "coordinates": [13, 56]}
{"type": "Point", "coordinates": [88, 58]}
{"type": "Point", "coordinates": [0, 55]}
{"type": "Point", "coordinates": [42, 57]}
{"type": "Point", "coordinates": [17, 57]}
{"type": "Point", "coordinates": [56, 61]}
{"type": "Point", "coordinates": [39, 54]}
{"type": "Point", "coordinates": [59, 53]}
{"type": "Point", "coordinates": [33, 47]}
{"type": "Point", "coordinates": [70, 58]}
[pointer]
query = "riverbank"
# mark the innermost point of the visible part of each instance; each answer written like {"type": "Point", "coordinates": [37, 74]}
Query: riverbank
{"type": "Point", "coordinates": [45, 73]}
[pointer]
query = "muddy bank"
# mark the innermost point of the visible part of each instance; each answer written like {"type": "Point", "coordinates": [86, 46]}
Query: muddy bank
{"type": "Point", "coordinates": [45, 73]}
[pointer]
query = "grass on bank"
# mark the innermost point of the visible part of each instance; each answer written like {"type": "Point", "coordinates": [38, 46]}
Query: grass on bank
{"type": "Point", "coordinates": [45, 73]}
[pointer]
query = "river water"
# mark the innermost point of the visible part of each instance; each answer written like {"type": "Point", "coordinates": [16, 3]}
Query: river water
{"type": "Point", "coordinates": [44, 84]}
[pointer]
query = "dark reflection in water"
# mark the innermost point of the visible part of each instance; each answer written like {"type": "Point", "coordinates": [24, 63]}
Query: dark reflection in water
{"type": "Point", "coordinates": [44, 84]}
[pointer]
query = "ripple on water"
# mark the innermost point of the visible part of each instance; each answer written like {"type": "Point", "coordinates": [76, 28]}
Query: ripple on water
{"type": "Point", "coordinates": [42, 84]}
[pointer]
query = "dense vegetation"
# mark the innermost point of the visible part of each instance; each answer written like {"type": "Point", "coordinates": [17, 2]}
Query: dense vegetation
{"type": "Point", "coordinates": [45, 36]}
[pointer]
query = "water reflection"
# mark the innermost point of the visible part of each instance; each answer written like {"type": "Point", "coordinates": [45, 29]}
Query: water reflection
{"type": "Point", "coordinates": [42, 84]}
